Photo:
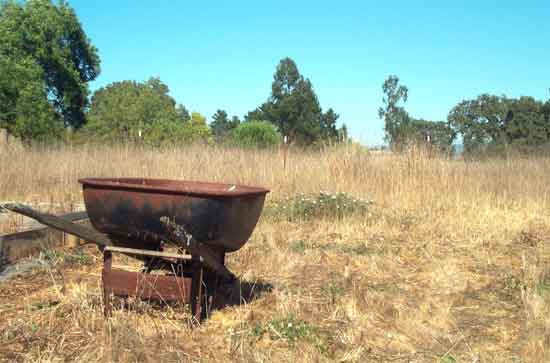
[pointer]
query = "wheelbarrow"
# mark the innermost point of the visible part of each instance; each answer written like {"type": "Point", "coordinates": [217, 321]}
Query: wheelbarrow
{"type": "Point", "coordinates": [141, 217]}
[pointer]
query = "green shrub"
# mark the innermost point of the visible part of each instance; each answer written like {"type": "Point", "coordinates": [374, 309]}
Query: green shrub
{"type": "Point", "coordinates": [322, 205]}
{"type": "Point", "coordinates": [260, 134]}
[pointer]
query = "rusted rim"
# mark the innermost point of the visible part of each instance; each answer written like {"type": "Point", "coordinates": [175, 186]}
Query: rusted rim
{"type": "Point", "coordinates": [183, 187]}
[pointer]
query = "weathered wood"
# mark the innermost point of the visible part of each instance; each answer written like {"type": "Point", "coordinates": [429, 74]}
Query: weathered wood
{"type": "Point", "coordinates": [14, 246]}
{"type": "Point", "coordinates": [146, 286]}
{"type": "Point", "coordinates": [59, 223]}
{"type": "Point", "coordinates": [136, 252]}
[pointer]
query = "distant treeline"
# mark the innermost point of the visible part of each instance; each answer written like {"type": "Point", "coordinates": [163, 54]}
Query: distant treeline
{"type": "Point", "coordinates": [487, 124]}
{"type": "Point", "coordinates": [47, 62]}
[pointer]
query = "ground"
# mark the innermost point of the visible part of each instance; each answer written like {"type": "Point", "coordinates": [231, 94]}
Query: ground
{"type": "Point", "coordinates": [449, 264]}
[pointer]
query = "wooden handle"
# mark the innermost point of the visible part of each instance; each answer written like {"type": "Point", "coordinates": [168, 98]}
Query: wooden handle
{"type": "Point", "coordinates": [59, 223]}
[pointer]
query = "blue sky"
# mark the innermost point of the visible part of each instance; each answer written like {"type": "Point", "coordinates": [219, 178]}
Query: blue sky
{"type": "Point", "coordinates": [222, 54]}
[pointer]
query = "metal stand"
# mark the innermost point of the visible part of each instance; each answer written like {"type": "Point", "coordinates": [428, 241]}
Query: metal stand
{"type": "Point", "coordinates": [186, 284]}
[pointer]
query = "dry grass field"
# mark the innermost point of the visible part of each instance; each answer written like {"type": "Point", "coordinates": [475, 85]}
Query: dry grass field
{"type": "Point", "coordinates": [449, 264]}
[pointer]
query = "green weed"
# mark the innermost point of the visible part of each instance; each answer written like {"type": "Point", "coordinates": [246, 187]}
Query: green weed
{"type": "Point", "coordinates": [291, 330]}
{"type": "Point", "coordinates": [323, 205]}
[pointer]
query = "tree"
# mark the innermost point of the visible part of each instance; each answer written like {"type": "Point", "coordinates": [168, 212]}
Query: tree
{"type": "Point", "coordinates": [495, 122]}
{"type": "Point", "coordinates": [294, 107]}
{"type": "Point", "coordinates": [396, 119]}
{"type": "Point", "coordinates": [24, 108]}
{"type": "Point", "coordinates": [196, 128]}
{"type": "Point", "coordinates": [47, 46]}
{"type": "Point", "coordinates": [133, 111]}
{"type": "Point", "coordinates": [259, 134]}
{"type": "Point", "coordinates": [329, 132]}
{"type": "Point", "coordinates": [526, 125]}
{"type": "Point", "coordinates": [435, 134]}
{"type": "Point", "coordinates": [235, 121]}
{"type": "Point", "coordinates": [221, 126]}
{"type": "Point", "coordinates": [402, 129]}
{"type": "Point", "coordinates": [183, 113]}
{"type": "Point", "coordinates": [343, 133]}
{"type": "Point", "coordinates": [262, 112]}
{"type": "Point", "coordinates": [546, 111]}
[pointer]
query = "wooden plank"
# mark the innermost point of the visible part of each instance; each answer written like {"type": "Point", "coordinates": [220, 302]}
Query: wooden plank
{"type": "Point", "coordinates": [14, 246]}
{"type": "Point", "coordinates": [146, 286]}
{"type": "Point", "coordinates": [136, 252]}
{"type": "Point", "coordinates": [61, 224]}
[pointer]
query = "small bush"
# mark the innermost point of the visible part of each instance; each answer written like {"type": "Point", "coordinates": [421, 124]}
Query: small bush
{"type": "Point", "coordinates": [322, 205]}
{"type": "Point", "coordinates": [261, 134]}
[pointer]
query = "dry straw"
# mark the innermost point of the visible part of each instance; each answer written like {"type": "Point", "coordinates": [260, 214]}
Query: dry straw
{"type": "Point", "coordinates": [449, 265]}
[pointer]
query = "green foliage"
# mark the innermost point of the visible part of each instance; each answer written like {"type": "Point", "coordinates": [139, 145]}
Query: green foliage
{"type": "Point", "coordinates": [402, 129]}
{"type": "Point", "coordinates": [322, 205]}
{"type": "Point", "coordinates": [479, 121]}
{"type": "Point", "coordinates": [294, 108]}
{"type": "Point", "coordinates": [497, 123]}
{"type": "Point", "coordinates": [543, 286]}
{"type": "Point", "coordinates": [259, 134]}
{"type": "Point", "coordinates": [447, 358]}
{"type": "Point", "coordinates": [437, 134]}
{"type": "Point", "coordinates": [46, 61]}
{"type": "Point", "coordinates": [24, 109]}
{"type": "Point", "coordinates": [353, 249]}
{"type": "Point", "coordinates": [526, 124]}
{"type": "Point", "coordinates": [196, 128]}
{"type": "Point", "coordinates": [222, 126]}
{"type": "Point", "coordinates": [134, 111]}
{"type": "Point", "coordinates": [396, 119]}
{"type": "Point", "coordinates": [291, 330]}
{"type": "Point", "coordinates": [329, 131]}
{"type": "Point", "coordinates": [41, 305]}
{"type": "Point", "coordinates": [56, 257]}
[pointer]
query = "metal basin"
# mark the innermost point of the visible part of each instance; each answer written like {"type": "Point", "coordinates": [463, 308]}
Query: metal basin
{"type": "Point", "coordinates": [128, 210]}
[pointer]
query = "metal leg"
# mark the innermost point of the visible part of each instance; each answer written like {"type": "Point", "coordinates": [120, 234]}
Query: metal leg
{"type": "Point", "coordinates": [107, 291]}
{"type": "Point", "coordinates": [196, 288]}
{"type": "Point", "coordinates": [190, 281]}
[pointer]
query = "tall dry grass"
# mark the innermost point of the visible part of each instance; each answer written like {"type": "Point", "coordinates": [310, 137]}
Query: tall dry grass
{"type": "Point", "coordinates": [453, 265]}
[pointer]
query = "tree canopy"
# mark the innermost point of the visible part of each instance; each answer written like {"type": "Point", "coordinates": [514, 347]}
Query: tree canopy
{"type": "Point", "coordinates": [494, 122]}
{"type": "Point", "coordinates": [402, 129]}
{"type": "Point", "coordinates": [294, 109]}
{"type": "Point", "coordinates": [135, 111]}
{"type": "Point", "coordinates": [396, 119]}
{"type": "Point", "coordinates": [222, 126]}
{"type": "Point", "coordinates": [46, 62]}
{"type": "Point", "coordinates": [260, 134]}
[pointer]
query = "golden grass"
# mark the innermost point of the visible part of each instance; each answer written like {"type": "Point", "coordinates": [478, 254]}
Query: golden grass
{"type": "Point", "coordinates": [453, 265]}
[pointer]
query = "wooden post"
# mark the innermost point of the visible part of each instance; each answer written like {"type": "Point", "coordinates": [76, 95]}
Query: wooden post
{"type": "Point", "coordinates": [285, 152]}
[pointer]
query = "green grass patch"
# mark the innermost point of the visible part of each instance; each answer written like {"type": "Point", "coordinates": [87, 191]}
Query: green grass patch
{"type": "Point", "coordinates": [323, 205]}
{"type": "Point", "coordinates": [354, 249]}
{"type": "Point", "coordinates": [291, 330]}
{"type": "Point", "coordinates": [57, 257]}
{"type": "Point", "coordinates": [543, 287]}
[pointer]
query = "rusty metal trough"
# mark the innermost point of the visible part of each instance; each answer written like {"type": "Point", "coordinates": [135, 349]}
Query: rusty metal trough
{"type": "Point", "coordinates": [141, 217]}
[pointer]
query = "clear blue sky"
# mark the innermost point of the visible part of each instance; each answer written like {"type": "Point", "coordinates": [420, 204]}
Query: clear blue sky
{"type": "Point", "coordinates": [222, 54]}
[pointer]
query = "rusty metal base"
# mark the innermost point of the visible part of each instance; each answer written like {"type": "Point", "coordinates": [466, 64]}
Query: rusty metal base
{"type": "Point", "coordinates": [187, 284]}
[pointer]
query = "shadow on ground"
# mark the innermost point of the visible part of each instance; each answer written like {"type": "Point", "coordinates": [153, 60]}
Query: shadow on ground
{"type": "Point", "coordinates": [225, 295]}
